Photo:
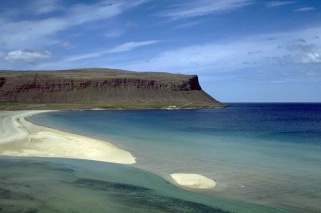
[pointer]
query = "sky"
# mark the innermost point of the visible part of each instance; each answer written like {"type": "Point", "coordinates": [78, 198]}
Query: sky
{"type": "Point", "coordinates": [241, 50]}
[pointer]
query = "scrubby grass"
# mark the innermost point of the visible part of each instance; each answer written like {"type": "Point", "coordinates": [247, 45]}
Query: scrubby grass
{"type": "Point", "coordinates": [124, 104]}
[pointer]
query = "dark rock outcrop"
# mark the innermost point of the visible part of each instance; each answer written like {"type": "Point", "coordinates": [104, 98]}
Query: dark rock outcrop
{"type": "Point", "coordinates": [102, 85]}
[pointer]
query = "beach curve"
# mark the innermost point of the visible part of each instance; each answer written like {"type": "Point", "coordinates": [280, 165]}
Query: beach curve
{"type": "Point", "coordinates": [19, 137]}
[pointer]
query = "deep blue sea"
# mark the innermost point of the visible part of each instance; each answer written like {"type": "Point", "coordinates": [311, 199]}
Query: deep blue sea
{"type": "Point", "coordinates": [261, 153]}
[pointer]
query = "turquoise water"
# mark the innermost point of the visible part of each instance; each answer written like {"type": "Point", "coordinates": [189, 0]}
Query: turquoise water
{"type": "Point", "coordinates": [36, 185]}
{"type": "Point", "coordinates": [266, 154]}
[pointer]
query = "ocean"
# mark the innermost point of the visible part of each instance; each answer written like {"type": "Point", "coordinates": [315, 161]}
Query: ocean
{"type": "Point", "coordinates": [261, 154]}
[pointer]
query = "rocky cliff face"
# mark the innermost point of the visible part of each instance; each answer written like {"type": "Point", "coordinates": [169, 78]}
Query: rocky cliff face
{"type": "Point", "coordinates": [103, 85]}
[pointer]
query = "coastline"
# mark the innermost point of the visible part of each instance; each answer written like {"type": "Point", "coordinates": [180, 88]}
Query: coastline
{"type": "Point", "coordinates": [48, 143]}
{"type": "Point", "coordinates": [24, 139]}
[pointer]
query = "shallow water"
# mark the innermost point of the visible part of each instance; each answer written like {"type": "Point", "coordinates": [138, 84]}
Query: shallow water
{"type": "Point", "coordinates": [65, 185]}
{"type": "Point", "coordinates": [260, 153]}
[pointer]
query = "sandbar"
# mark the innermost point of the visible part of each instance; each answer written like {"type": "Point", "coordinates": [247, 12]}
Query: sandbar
{"type": "Point", "coordinates": [19, 137]}
{"type": "Point", "coordinates": [194, 181]}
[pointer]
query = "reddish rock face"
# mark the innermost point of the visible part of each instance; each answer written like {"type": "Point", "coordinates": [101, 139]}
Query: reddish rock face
{"type": "Point", "coordinates": [99, 85]}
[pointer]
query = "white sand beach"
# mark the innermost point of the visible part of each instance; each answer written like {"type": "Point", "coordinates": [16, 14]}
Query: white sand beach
{"type": "Point", "coordinates": [194, 181]}
{"type": "Point", "coordinates": [19, 137]}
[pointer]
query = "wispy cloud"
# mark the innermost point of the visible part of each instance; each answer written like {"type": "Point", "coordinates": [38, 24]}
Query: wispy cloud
{"type": "Point", "coordinates": [27, 56]}
{"type": "Point", "coordinates": [35, 33]}
{"type": "Point", "coordinates": [305, 9]}
{"type": "Point", "coordinates": [289, 48]}
{"type": "Point", "coordinates": [129, 46]}
{"type": "Point", "coordinates": [273, 4]}
{"type": "Point", "coordinates": [45, 6]}
{"type": "Point", "coordinates": [306, 53]}
{"type": "Point", "coordinates": [192, 8]}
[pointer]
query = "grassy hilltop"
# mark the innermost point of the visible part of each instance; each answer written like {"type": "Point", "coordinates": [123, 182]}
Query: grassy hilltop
{"type": "Point", "coordinates": [100, 88]}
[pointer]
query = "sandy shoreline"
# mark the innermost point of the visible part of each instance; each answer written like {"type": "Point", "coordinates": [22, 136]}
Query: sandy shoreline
{"type": "Point", "coordinates": [19, 137]}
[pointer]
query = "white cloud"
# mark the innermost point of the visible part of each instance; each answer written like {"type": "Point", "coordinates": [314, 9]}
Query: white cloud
{"type": "Point", "coordinates": [288, 48]}
{"type": "Point", "coordinates": [82, 13]}
{"type": "Point", "coordinates": [130, 46]}
{"type": "Point", "coordinates": [27, 56]}
{"type": "Point", "coordinates": [38, 33]}
{"type": "Point", "coordinates": [300, 48]}
{"type": "Point", "coordinates": [120, 48]}
{"type": "Point", "coordinates": [273, 4]}
{"type": "Point", "coordinates": [308, 53]}
{"type": "Point", "coordinates": [215, 57]}
{"type": "Point", "coordinates": [85, 56]}
{"type": "Point", "coordinates": [205, 7]}
{"type": "Point", "coordinates": [24, 34]}
{"type": "Point", "coordinates": [44, 6]}
{"type": "Point", "coordinates": [304, 9]}
{"type": "Point", "coordinates": [312, 57]}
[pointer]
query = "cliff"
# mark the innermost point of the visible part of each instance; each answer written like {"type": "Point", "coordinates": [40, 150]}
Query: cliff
{"type": "Point", "coordinates": [102, 88]}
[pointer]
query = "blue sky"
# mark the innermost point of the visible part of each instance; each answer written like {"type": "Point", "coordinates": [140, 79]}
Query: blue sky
{"type": "Point", "coordinates": [242, 50]}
